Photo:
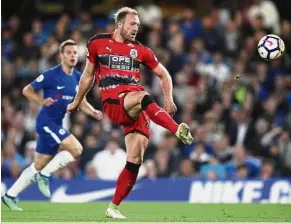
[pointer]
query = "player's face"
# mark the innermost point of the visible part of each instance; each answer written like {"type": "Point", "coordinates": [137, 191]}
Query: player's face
{"type": "Point", "coordinates": [70, 56]}
{"type": "Point", "coordinates": [130, 27]}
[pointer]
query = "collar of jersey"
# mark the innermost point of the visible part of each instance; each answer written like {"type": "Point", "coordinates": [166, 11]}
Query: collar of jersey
{"type": "Point", "coordinates": [111, 36]}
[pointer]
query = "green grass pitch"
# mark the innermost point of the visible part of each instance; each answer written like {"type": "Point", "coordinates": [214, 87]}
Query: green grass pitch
{"type": "Point", "coordinates": [148, 212]}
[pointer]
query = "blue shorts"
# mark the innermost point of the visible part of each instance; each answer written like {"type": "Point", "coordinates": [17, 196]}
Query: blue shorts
{"type": "Point", "coordinates": [50, 136]}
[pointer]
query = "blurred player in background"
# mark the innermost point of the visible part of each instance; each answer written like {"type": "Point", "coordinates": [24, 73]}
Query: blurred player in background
{"type": "Point", "coordinates": [59, 85]}
{"type": "Point", "coordinates": [116, 58]}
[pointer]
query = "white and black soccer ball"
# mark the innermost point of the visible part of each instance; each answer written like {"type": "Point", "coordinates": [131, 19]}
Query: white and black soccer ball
{"type": "Point", "coordinates": [271, 47]}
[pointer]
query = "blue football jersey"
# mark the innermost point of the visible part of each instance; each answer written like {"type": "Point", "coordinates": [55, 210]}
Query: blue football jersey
{"type": "Point", "coordinates": [61, 87]}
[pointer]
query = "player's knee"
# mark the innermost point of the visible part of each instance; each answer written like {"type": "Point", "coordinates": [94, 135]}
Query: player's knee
{"type": "Point", "coordinates": [77, 151]}
{"type": "Point", "coordinates": [73, 146]}
{"type": "Point", "coordinates": [141, 96]}
{"type": "Point", "coordinates": [80, 149]}
{"type": "Point", "coordinates": [134, 158]}
{"type": "Point", "coordinates": [146, 101]}
{"type": "Point", "coordinates": [39, 165]}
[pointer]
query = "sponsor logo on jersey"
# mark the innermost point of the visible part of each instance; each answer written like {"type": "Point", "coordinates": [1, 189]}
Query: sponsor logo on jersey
{"type": "Point", "coordinates": [120, 62]}
{"type": "Point", "coordinates": [64, 97]}
{"type": "Point", "coordinates": [58, 96]}
{"type": "Point", "coordinates": [67, 97]}
{"type": "Point", "coordinates": [117, 62]}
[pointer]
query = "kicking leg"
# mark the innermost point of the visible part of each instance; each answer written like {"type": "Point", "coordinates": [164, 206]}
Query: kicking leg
{"type": "Point", "coordinates": [72, 151]}
{"type": "Point", "coordinates": [26, 179]}
{"type": "Point", "coordinates": [136, 144]}
{"type": "Point", "coordinates": [135, 102]}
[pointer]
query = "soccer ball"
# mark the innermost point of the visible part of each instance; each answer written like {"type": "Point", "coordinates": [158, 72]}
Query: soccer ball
{"type": "Point", "coordinates": [271, 47]}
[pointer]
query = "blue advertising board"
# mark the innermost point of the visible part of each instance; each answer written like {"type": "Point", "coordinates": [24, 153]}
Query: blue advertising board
{"type": "Point", "coordinates": [165, 190]}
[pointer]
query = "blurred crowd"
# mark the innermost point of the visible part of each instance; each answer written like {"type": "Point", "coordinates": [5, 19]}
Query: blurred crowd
{"type": "Point", "coordinates": [238, 106]}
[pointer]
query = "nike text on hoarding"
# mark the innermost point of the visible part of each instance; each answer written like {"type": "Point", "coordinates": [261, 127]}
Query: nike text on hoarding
{"type": "Point", "coordinates": [239, 192]}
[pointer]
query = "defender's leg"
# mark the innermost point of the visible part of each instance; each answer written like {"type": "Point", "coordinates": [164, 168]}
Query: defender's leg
{"type": "Point", "coordinates": [26, 179]}
{"type": "Point", "coordinates": [72, 150]}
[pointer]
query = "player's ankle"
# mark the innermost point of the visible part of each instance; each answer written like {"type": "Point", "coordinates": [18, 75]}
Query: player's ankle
{"type": "Point", "coordinates": [10, 196]}
{"type": "Point", "coordinates": [44, 174]}
{"type": "Point", "coordinates": [113, 205]}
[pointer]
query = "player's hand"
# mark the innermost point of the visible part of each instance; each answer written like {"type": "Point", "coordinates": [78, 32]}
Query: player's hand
{"type": "Point", "coordinates": [97, 114]}
{"type": "Point", "coordinates": [48, 102]}
{"type": "Point", "coordinates": [170, 107]}
{"type": "Point", "coordinates": [73, 106]}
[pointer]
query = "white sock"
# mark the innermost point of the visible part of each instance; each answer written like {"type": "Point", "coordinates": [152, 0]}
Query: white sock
{"type": "Point", "coordinates": [61, 160]}
{"type": "Point", "coordinates": [26, 178]}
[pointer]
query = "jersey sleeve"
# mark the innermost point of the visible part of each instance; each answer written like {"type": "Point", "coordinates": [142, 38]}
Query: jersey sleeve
{"type": "Point", "coordinates": [149, 59]}
{"type": "Point", "coordinates": [41, 81]}
{"type": "Point", "coordinates": [91, 51]}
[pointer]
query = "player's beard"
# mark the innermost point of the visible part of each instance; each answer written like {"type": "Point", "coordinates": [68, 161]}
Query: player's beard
{"type": "Point", "coordinates": [126, 35]}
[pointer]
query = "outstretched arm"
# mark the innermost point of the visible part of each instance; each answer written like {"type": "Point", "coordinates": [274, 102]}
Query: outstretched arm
{"type": "Point", "coordinates": [86, 82]}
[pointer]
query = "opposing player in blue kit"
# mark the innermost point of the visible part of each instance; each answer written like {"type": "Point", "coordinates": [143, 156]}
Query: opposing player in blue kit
{"type": "Point", "coordinates": [59, 85]}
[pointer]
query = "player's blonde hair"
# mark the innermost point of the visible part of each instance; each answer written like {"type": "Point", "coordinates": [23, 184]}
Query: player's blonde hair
{"type": "Point", "coordinates": [68, 42]}
{"type": "Point", "coordinates": [122, 12]}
